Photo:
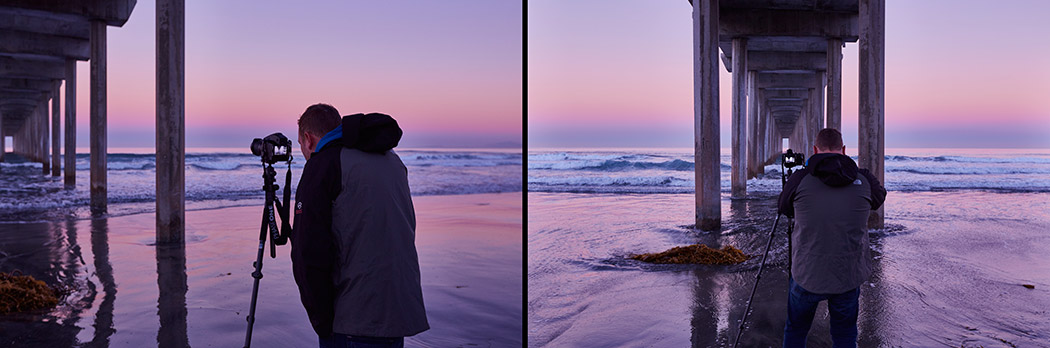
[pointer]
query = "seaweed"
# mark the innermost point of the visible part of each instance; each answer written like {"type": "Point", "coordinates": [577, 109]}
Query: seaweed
{"type": "Point", "coordinates": [20, 293]}
{"type": "Point", "coordinates": [696, 253]}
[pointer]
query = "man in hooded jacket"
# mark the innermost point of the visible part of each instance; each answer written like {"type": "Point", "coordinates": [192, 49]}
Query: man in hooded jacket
{"type": "Point", "coordinates": [830, 201]}
{"type": "Point", "coordinates": [353, 240]}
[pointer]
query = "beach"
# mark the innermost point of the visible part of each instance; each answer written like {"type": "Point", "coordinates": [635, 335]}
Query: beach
{"type": "Point", "coordinates": [964, 233]}
{"type": "Point", "coordinates": [949, 270]}
{"type": "Point", "coordinates": [131, 293]}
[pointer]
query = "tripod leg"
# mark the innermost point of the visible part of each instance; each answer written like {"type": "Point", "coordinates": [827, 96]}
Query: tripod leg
{"type": "Point", "coordinates": [257, 274]}
{"type": "Point", "coordinates": [740, 330]}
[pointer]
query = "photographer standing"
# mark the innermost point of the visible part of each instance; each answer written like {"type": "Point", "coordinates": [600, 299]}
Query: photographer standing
{"type": "Point", "coordinates": [830, 200]}
{"type": "Point", "coordinates": [353, 240]}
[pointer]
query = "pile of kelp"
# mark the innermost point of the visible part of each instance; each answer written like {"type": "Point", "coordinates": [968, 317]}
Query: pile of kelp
{"type": "Point", "coordinates": [696, 253]}
{"type": "Point", "coordinates": [20, 293]}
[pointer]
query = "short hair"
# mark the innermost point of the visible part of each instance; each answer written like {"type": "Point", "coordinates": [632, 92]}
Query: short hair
{"type": "Point", "coordinates": [829, 139]}
{"type": "Point", "coordinates": [319, 119]}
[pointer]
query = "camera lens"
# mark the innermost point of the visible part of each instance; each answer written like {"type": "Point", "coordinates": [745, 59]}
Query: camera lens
{"type": "Point", "coordinates": [256, 147]}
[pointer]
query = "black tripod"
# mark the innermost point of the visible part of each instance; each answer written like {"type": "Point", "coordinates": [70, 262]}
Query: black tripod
{"type": "Point", "coordinates": [275, 235]}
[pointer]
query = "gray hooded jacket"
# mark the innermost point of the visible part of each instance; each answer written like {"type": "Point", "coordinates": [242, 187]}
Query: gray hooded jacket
{"type": "Point", "coordinates": [353, 241]}
{"type": "Point", "coordinates": [830, 201]}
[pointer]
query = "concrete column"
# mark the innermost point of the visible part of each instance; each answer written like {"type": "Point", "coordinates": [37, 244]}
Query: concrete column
{"type": "Point", "coordinates": [872, 95]}
{"type": "Point", "coordinates": [819, 120]}
{"type": "Point", "coordinates": [171, 137]}
{"type": "Point", "coordinates": [56, 134]}
{"type": "Point", "coordinates": [757, 134]}
{"type": "Point", "coordinates": [816, 105]}
{"type": "Point", "coordinates": [705, 114]}
{"type": "Point", "coordinates": [834, 82]}
{"type": "Point", "coordinates": [98, 117]}
{"type": "Point", "coordinates": [42, 135]}
{"type": "Point", "coordinates": [753, 135]}
{"type": "Point", "coordinates": [71, 123]}
{"type": "Point", "coordinates": [738, 176]}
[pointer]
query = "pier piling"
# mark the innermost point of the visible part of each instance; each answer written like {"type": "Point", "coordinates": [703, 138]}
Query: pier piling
{"type": "Point", "coordinates": [97, 132]}
{"type": "Point", "coordinates": [171, 138]}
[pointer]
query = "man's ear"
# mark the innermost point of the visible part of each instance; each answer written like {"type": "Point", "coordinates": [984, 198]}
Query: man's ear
{"type": "Point", "coordinates": [843, 149]}
{"type": "Point", "coordinates": [814, 151]}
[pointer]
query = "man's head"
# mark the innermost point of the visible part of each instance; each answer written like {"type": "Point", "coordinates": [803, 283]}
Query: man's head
{"type": "Point", "coordinates": [829, 140]}
{"type": "Point", "coordinates": [316, 121]}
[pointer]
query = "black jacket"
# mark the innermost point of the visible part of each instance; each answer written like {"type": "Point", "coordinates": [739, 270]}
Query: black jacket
{"type": "Point", "coordinates": [353, 240]}
{"type": "Point", "coordinates": [830, 201]}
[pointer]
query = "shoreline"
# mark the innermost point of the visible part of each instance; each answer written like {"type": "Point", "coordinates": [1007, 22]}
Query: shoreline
{"type": "Point", "coordinates": [80, 213]}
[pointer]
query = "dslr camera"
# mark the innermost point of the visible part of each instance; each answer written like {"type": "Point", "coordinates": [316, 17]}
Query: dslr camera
{"type": "Point", "coordinates": [789, 160]}
{"type": "Point", "coordinates": [273, 148]}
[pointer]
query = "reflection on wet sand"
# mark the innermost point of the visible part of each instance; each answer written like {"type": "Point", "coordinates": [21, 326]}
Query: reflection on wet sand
{"type": "Point", "coordinates": [104, 272]}
{"type": "Point", "coordinates": [171, 304]}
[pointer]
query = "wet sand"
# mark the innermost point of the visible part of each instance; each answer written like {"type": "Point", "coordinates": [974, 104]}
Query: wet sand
{"type": "Point", "coordinates": [131, 293]}
{"type": "Point", "coordinates": [949, 270]}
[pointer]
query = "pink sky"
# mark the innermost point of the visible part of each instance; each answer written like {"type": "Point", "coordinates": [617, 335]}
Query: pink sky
{"type": "Point", "coordinates": [451, 74]}
{"type": "Point", "coordinates": [619, 73]}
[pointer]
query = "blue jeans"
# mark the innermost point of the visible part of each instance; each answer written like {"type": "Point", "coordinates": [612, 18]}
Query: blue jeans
{"type": "Point", "coordinates": [338, 340]}
{"type": "Point", "coordinates": [802, 305]}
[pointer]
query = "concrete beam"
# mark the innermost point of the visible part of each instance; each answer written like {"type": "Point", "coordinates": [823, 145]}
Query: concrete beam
{"type": "Point", "coordinates": [43, 44]}
{"type": "Point", "coordinates": [775, 22]}
{"type": "Point", "coordinates": [44, 22]}
{"type": "Point", "coordinates": [30, 69]}
{"type": "Point", "coordinates": [705, 114]}
{"type": "Point", "coordinates": [774, 61]}
{"type": "Point", "coordinates": [23, 85]}
{"type": "Point", "coordinates": [788, 81]}
{"type": "Point", "coordinates": [787, 43]}
{"type": "Point", "coordinates": [111, 12]}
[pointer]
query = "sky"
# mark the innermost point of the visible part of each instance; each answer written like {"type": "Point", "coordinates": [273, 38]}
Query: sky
{"type": "Point", "coordinates": [450, 72]}
{"type": "Point", "coordinates": [618, 73]}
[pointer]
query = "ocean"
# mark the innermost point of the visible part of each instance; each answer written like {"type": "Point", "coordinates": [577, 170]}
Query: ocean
{"type": "Point", "coordinates": [226, 177]}
{"type": "Point", "coordinates": [966, 230]}
{"type": "Point", "coordinates": [671, 170]}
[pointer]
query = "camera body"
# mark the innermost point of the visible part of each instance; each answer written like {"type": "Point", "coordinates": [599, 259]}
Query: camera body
{"type": "Point", "coordinates": [273, 148]}
{"type": "Point", "coordinates": [791, 159]}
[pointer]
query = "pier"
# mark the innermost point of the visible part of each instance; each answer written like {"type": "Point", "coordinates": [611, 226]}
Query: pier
{"type": "Point", "coordinates": [785, 58]}
{"type": "Point", "coordinates": [40, 44]}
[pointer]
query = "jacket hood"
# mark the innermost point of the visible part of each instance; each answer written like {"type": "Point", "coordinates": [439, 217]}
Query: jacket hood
{"type": "Point", "coordinates": [833, 169]}
{"type": "Point", "coordinates": [372, 132]}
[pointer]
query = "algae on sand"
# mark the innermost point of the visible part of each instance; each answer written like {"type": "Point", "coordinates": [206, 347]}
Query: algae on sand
{"type": "Point", "coordinates": [24, 293]}
{"type": "Point", "coordinates": [696, 253]}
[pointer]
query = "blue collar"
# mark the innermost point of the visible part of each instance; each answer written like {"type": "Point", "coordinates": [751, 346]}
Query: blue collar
{"type": "Point", "coordinates": [335, 134]}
